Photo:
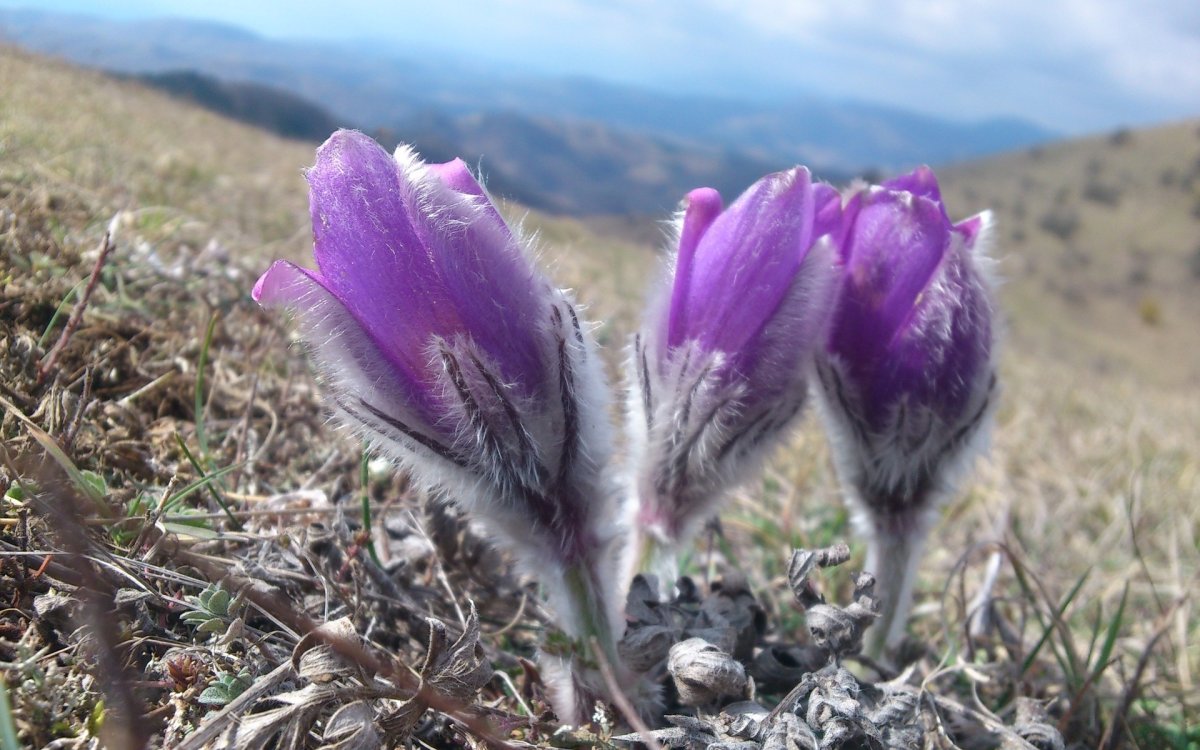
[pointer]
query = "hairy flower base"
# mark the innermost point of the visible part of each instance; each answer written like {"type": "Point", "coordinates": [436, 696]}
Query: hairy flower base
{"type": "Point", "coordinates": [704, 432]}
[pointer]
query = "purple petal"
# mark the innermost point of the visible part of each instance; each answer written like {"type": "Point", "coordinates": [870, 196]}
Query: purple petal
{"type": "Point", "coordinates": [922, 183]}
{"type": "Point", "coordinates": [938, 356]}
{"type": "Point", "coordinates": [890, 253]}
{"type": "Point", "coordinates": [345, 350]}
{"type": "Point", "coordinates": [703, 208]}
{"type": "Point", "coordinates": [413, 258]}
{"type": "Point", "coordinates": [744, 264]}
{"type": "Point", "coordinates": [455, 175]}
{"type": "Point", "coordinates": [973, 229]}
{"type": "Point", "coordinates": [828, 213]}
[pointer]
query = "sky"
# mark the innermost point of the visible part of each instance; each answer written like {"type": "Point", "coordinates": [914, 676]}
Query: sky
{"type": "Point", "coordinates": [1073, 65]}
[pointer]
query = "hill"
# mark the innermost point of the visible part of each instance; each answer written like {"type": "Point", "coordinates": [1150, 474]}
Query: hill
{"type": "Point", "coordinates": [266, 107]}
{"type": "Point", "coordinates": [360, 83]}
{"type": "Point", "coordinates": [580, 167]}
{"type": "Point", "coordinates": [1086, 506]}
{"type": "Point", "coordinates": [1099, 243]}
{"type": "Point", "coordinates": [565, 167]}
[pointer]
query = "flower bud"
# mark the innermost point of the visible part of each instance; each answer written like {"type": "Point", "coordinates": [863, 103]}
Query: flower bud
{"type": "Point", "coordinates": [907, 377]}
{"type": "Point", "coordinates": [719, 370]}
{"type": "Point", "coordinates": [439, 341]}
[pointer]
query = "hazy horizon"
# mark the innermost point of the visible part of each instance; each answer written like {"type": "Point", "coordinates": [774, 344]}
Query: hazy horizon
{"type": "Point", "coordinates": [1071, 66]}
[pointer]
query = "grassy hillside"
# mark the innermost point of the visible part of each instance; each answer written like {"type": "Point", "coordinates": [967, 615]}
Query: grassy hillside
{"type": "Point", "coordinates": [1089, 502]}
{"type": "Point", "coordinates": [1100, 248]}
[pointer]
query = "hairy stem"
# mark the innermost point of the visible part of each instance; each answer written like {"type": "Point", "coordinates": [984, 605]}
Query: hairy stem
{"type": "Point", "coordinates": [893, 553]}
{"type": "Point", "coordinates": [591, 608]}
{"type": "Point", "coordinates": [658, 558]}
{"type": "Point", "coordinates": [573, 676]}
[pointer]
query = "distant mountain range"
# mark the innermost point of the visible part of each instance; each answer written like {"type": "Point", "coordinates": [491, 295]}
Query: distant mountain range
{"type": "Point", "coordinates": [267, 107]}
{"type": "Point", "coordinates": [573, 146]}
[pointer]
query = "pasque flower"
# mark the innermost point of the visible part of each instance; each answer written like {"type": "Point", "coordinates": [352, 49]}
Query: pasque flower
{"type": "Point", "coordinates": [907, 376]}
{"type": "Point", "coordinates": [719, 369]}
{"type": "Point", "coordinates": [439, 341]}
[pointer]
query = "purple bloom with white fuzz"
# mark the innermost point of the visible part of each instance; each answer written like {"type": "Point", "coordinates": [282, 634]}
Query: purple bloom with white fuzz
{"type": "Point", "coordinates": [438, 341]}
{"type": "Point", "coordinates": [907, 378]}
{"type": "Point", "coordinates": [720, 367]}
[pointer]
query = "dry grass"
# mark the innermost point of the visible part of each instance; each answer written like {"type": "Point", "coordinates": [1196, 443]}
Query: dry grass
{"type": "Point", "coordinates": [1094, 471]}
{"type": "Point", "coordinates": [1099, 244]}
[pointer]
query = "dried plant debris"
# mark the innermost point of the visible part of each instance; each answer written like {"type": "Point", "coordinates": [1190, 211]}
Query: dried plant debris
{"type": "Point", "coordinates": [703, 672]}
{"type": "Point", "coordinates": [823, 704]}
{"type": "Point", "coordinates": [1034, 726]}
{"type": "Point", "coordinates": [332, 696]}
{"type": "Point", "coordinates": [839, 630]}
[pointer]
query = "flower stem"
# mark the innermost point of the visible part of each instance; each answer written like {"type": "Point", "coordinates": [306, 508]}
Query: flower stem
{"type": "Point", "coordinates": [592, 611]}
{"type": "Point", "coordinates": [892, 557]}
{"type": "Point", "coordinates": [573, 675]}
{"type": "Point", "coordinates": [657, 558]}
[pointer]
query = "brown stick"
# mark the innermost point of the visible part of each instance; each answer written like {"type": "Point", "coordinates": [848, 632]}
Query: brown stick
{"type": "Point", "coordinates": [61, 503]}
{"type": "Point", "coordinates": [51, 358]}
{"type": "Point", "coordinates": [619, 699]}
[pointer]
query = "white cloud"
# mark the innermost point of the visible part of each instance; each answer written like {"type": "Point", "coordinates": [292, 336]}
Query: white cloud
{"type": "Point", "coordinates": [1067, 54]}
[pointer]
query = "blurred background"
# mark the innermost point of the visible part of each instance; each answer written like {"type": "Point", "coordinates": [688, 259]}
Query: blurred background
{"type": "Point", "coordinates": [1069, 119]}
{"type": "Point", "coordinates": [590, 107]}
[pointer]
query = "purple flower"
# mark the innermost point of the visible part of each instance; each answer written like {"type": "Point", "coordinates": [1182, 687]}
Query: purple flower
{"type": "Point", "coordinates": [438, 341]}
{"type": "Point", "coordinates": [720, 367]}
{"type": "Point", "coordinates": [907, 377]}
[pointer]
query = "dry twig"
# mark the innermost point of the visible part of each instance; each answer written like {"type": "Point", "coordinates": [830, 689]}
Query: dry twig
{"type": "Point", "coordinates": [51, 358]}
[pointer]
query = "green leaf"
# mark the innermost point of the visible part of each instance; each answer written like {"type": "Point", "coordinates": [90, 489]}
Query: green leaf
{"type": "Point", "coordinates": [212, 487]}
{"type": "Point", "coordinates": [199, 484]}
{"type": "Point", "coordinates": [94, 482]}
{"type": "Point", "coordinates": [215, 695]}
{"type": "Point", "coordinates": [95, 721]}
{"type": "Point", "coordinates": [218, 603]}
{"type": "Point", "coordinates": [16, 493]}
{"type": "Point", "coordinates": [1110, 636]}
{"type": "Point", "coordinates": [58, 311]}
{"type": "Point", "coordinates": [1048, 627]}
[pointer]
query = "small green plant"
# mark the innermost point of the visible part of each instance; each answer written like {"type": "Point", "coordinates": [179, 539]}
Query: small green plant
{"type": "Point", "coordinates": [125, 531]}
{"type": "Point", "coordinates": [212, 481]}
{"type": "Point", "coordinates": [1171, 731]}
{"type": "Point", "coordinates": [173, 518]}
{"type": "Point", "coordinates": [94, 483]}
{"type": "Point", "coordinates": [18, 493]}
{"type": "Point", "coordinates": [95, 719]}
{"type": "Point", "coordinates": [226, 687]}
{"type": "Point", "coordinates": [213, 610]}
